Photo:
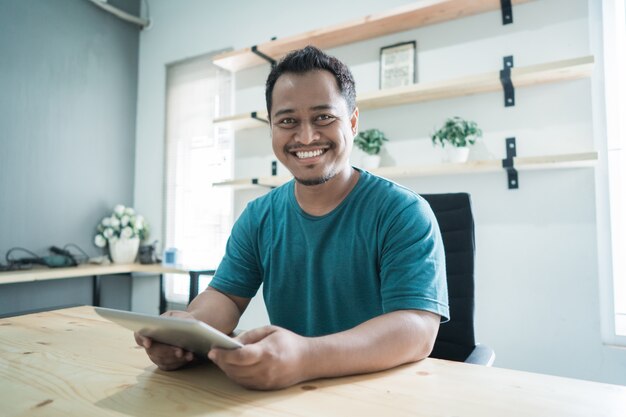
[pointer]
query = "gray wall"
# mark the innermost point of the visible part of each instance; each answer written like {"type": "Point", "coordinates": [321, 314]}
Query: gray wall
{"type": "Point", "coordinates": [537, 271]}
{"type": "Point", "coordinates": [68, 77]}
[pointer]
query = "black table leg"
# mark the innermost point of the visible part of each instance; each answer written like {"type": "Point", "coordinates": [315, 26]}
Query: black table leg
{"type": "Point", "coordinates": [194, 277]}
{"type": "Point", "coordinates": [162, 301]}
{"type": "Point", "coordinates": [96, 291]}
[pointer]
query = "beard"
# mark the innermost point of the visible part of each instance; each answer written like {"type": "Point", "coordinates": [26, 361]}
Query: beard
{"type": "Point", "coordinates": [316, 181]}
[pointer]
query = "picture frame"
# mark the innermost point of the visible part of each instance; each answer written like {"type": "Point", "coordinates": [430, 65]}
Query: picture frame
{"type": "Point", "coordinates": [398, 63]}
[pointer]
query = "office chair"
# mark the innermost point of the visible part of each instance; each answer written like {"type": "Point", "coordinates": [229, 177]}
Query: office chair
{"type": "Point", "coordinates": [455, 340]}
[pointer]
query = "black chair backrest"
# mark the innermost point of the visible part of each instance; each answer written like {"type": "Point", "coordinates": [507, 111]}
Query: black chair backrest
{"type": "Point", "coordinates": [456, 340]}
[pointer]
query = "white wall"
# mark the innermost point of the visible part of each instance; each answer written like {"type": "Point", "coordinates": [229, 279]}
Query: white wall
{"type": "Point", "coordinates": [537, 265]}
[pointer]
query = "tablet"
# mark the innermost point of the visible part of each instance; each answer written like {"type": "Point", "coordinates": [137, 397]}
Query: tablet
{"type": "Point", "coordinates": [192, 335]}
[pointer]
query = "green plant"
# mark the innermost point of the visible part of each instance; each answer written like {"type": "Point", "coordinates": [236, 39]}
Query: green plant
{"type": "Point", "coordinates": [370, 141]}
{"type": "Point", "coordinates": [457, 132]}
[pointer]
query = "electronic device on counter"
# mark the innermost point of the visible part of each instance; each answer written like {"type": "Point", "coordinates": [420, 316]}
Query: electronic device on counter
{"type": "Point", "coordinates": [192, 335]}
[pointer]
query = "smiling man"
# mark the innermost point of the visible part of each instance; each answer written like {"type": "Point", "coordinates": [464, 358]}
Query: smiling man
{"type": "Point", "coordinates": [352, 265]}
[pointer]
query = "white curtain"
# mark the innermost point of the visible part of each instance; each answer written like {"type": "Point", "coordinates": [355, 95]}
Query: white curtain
{"type": "Point", "coordinates": [198, 217]}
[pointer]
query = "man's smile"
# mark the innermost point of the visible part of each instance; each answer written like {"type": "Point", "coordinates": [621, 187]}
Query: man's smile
{"type": "Point", "coordinates": [308, 152]}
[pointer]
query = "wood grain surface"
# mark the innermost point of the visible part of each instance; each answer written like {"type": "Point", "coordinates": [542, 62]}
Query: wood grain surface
{"type": "Point", "coordinates": [73, 363]}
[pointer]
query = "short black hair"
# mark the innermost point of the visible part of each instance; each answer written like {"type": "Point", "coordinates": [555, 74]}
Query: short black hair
{"type": "Point", "coordinates": [308, 59]}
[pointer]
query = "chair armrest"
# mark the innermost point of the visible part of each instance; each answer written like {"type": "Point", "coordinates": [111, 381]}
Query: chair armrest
{"type": "Point", "coordinates": [481, 355]}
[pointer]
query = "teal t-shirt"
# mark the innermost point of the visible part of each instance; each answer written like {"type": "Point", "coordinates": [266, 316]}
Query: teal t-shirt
{"type": "Point", "coordinates": [379, 251]}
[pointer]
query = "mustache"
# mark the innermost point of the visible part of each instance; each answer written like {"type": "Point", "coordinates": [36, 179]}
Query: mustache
{"type": "Point", "coordinates": [298, 147]}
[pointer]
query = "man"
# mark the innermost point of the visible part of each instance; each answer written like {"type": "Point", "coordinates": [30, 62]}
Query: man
{"type": "Point", "coordinates": [352, 265]}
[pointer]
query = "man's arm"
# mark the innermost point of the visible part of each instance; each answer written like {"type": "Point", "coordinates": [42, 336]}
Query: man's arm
{"type": "Point", "coordinates": [275, 358]}
{"type": "Point", "coordinates": [211, 306]}
{"type": "Point", "coordinates": [218, 309]}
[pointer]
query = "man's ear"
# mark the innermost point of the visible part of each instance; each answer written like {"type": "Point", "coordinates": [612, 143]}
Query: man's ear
{"type": "Point", "coordinates": [354, 121]}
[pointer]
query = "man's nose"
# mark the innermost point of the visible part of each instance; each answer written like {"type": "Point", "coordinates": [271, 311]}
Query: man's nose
{"type": "Point", "coordinates": [307, 133]}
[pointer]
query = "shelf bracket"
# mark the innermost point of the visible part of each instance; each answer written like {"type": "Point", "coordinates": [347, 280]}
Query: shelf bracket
{"type": "Point", "coordinates": [254, 115]}
{"type": "Point", "coordinates": [507, 84]}
{"type": "Point", "coordinates": [509, 164]}
{"type": "Point", "coordinates": [255, 181]}
{"type": "Point", "coordinates": [255, 50]}
{"type": "Point", "coordinates": [507, 12]}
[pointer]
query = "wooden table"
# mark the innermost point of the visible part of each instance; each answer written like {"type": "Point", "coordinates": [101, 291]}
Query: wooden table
{"type": "Point", "coordinates": [96, 271]}
{"type": "Point", "coordinates": [73, 363]}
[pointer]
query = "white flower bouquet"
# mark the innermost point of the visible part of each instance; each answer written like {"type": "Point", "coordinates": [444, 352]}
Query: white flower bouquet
{"type": "Point", "coordinates": [123, 223]}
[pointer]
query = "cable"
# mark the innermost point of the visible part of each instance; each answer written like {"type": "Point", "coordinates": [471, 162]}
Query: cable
{"type": "Point", "coordinates": [10, 251]}
{"type": "Point", "coordinates": [61, 258]}
{"type": "Point", "coordinates": [22, 263]}
{"type": "Point", "coordinates": [80, 261]}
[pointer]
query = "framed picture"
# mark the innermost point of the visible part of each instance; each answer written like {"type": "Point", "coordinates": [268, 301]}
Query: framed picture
{"type": "Point", "coordinates": [397, 65]}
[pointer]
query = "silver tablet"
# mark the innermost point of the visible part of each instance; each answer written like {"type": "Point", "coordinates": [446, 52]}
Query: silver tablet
{"type": "Point", "coordinates": [192, 335]}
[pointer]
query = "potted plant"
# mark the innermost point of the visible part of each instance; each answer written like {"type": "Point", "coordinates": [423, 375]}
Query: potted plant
{"type": "Point", "coordinates": [370, 141]}
{"type": "Point", "coordinates": [121, 231]}
{"type": "Point", "coordinates": [458, 134]}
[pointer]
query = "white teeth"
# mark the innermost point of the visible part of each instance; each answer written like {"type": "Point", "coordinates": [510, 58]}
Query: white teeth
{"type": "Point", "coordinates": [309, 154]}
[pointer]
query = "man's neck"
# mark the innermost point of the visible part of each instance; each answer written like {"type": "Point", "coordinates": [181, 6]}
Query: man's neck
{"type": "Point", "coordinates": [318, 200]}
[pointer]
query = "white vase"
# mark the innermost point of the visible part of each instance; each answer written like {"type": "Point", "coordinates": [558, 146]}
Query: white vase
{"type": "Point", "coordinates": [457, 155]}
{"type": "Point", "coordinates": [124, 251]}
{"type": "Point", "coordinates": [370, 162]}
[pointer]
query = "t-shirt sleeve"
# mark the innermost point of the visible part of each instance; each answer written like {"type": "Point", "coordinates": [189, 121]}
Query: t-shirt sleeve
{"type": "Point", "coordinates": [239, 272]}
{"type": "Point", "coordinates": [413, 269]}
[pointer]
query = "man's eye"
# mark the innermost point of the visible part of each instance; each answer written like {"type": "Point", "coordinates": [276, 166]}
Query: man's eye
{"type": "Point", "coordinates": [324, 119]}
{"type": "Point", "coordinates": [287, 122]}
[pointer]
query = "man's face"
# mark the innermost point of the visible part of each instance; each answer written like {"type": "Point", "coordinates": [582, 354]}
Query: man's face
{"type": "Point", "coordinates": [312, 128]}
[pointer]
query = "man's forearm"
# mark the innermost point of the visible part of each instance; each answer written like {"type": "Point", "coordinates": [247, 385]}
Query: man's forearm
{"type": "Point", "coordinates": [380, 343]}
{"type": "Point", "coordinates": [216, 309]}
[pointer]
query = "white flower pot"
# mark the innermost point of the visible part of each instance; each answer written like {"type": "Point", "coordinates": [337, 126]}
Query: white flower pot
{"type": "Point", "coordinates": [370, 162]}
{"type": "Point", "coordinates": [457, 155]}
{"type": "Point", "coordinates": [124, 251]}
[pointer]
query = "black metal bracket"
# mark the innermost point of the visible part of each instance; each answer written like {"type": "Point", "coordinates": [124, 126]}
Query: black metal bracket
{"type": "Point", "coordinates": [255, 116]}
{"type": "Point", "coordinates": [507, 84]}
{"type": "Point", "coordinates": [255, 50]}
{"type": "Point", "coordinates": [509, 164]}
{"type": "Point", "coordinates": [255, 181]}
{"type": "Point", "coordinates": [507, 12]}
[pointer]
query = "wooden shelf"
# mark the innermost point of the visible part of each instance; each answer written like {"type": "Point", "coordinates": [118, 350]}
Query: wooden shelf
{"type": "Point", "coordinates": [551, 72]}
{"type": "Point", "coordinates": [43, 274]}
{"type": "Point", "coordinates": [244, 121]}
{"type": "Point", "coordinates": [411, 16]}
{"type": "Point", "coordinates": [528, 163]}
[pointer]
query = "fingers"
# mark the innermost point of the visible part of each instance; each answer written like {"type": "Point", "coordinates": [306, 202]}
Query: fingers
{"type": "Point", "coordinates": [164, 356]}
{"type": "Point", "coordinates": [269, 359]}
{"type": "Point", "coordinates": [256, 335]}
{"type": "Point", "coordinates": [250, 354]}
{"type": "Point", "coordinates": [245, 356]}
{"type": "Point", "coordinates": [178, 314]}
{"type": "Point", "coordinates": [168, 357]}
{"type": "Point", "coordinates": [143, 341]}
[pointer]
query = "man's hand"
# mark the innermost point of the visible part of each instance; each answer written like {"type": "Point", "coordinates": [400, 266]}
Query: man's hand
{"type": "Point", "coordinates": [272, 358]}
{"type": "Point", "coordinates": [166, 357]}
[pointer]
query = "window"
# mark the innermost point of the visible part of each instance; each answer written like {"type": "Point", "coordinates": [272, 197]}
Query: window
{"type": "Point", "coordinates": [198, 217]}
{"type": "Point", "coordinates": [614, 33]}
